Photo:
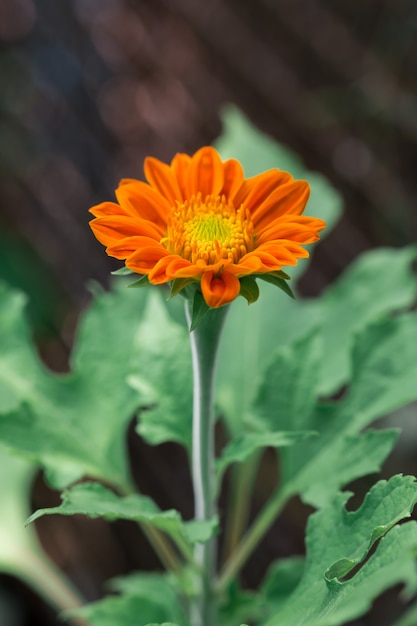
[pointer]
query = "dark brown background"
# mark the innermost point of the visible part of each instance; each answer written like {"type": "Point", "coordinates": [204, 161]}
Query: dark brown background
{"type": "Point", "coordinates": [91, 87]}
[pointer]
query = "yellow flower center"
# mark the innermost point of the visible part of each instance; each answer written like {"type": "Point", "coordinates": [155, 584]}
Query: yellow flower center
{"type": "Point", "coordinates": [211, 231]}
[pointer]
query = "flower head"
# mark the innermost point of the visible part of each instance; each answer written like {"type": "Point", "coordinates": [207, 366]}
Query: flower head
{"type": "Point", "coordinates": [199, 219]}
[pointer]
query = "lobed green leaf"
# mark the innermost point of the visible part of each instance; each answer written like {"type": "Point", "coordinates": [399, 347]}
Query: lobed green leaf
{"type": "Point", "coordinates": [243, 447]}
{"type": "Point", "coordinates": [341, 577]}
{"type": "Point", "coordinates": [52, 419]}
{"type": "Point", "coordinates": [381, 382]}
{"type": "Point", "coordinates": [123, 610]}
{"type": "Point", "coordinates": [376, 285]}
{"type": "Point", "coordinates": [162, 376]}
{"type": "Point", "coordinates": [95, 500]}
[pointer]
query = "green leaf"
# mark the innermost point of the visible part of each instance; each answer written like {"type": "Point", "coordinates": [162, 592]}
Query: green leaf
{"type": "Point", "coordinates": [16, 545]}
{"type": "Point", "coordinates": [95, 500]}
{"type": "Point", "coordinates": [129, 356]}
{"type": "Point", "coordinates": [251, 337]}
{"type": "Point", "coordinates": [384, 375]}
{"type": "Point", "coordinates": [54, 419]}
{"type": "Point", "coordinates": [348, 456]}
{"type": "Point", "coordinates": [160, 589]}
{"type": "Point", "coordinates": [384, 364]}
{"type": "Point", "coordinates": [242, 448]}
{"type": "Point", "coordinates": [124, 610]}
{"type": "Point", "coordinates": [375, 285]}
{"type": "Point", "coordinates": [341, 577]}
{"type": "Point", "coordinates": [153, 585]}
{"type": "Point", "coordinates": [253, 332]}
{"type": "Point", "coordinates": [200, 531]}
{"type": "Point", "coordinates": [163, 377]}
{"type": "Point", "coordinates": [287, 394]}
{"type": "Point", "coordinates": [21, 554]}
{"type": "Point", "coordinates": [249, 289]}
{"type": "Point", "coordinates": [238, 605]}
{"type": "Point", "coordinates": [281, 580]}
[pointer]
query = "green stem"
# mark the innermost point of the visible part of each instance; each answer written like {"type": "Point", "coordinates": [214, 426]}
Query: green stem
{"type": "Point", "coordinates": [252, 538]}
{"type": "Point", "coordinates": [204, 344]}
{"type": "Point", "coordinates": [163, 548]}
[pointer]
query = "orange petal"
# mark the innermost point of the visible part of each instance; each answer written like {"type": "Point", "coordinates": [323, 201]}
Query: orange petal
{"type": "Point", "coordinates": [158, 274]}
{"type": "Point", "coordinates": [288, 198]}
{"type": "Point", "coordinates": [163, 179]}
{"type": "Point", "coordinates": [285, 248]}
{"type": "Point", "coordinates": [107, 208]}
{"type": "Point", "coordinates": [145, 258]}
{"type": "Point", "coordinates": [256, 190]}
{"type": "Point", "coordinates": [125, 247]}
{"type": "Point", "coordinates": [182, 268]}
{"type": "Point", "coordinates": [173, 266]}
{"type": "Point", "coordinates": [141, 200]}
{"type": "Point", "coordinates": [219, 289]}
{"type": "Point", "coordinates": [300, 228]}
{"type": "Point", "coordinates": [109, 230]}
{"type": "Point", "coordinates": [233, 178]}
{"type": "Point", "coordinates": [270, 263]}
{"type": "Point", "coordinates": [266, 260]}
{"type": "Point", "coordinates": [179, 165]}
{"type": "Point", "coordinates": [205, 174]}
{"type": "Point", "coordinates": [291, 247]}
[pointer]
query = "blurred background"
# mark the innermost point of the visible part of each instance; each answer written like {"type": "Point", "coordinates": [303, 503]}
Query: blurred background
{"type": "Point", "coordinates": [89, 88]}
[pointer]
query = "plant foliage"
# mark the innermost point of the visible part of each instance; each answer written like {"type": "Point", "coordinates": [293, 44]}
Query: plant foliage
{"type": "Point", "coordinates": [305, 377]}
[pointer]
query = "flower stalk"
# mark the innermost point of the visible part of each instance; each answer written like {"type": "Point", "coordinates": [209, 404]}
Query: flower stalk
{"type": "Point", "coordinates": [204, 342]}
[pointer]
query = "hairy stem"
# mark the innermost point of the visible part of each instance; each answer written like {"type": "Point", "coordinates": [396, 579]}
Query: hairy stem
{"type": "Point", "coordinates": [204, 344]}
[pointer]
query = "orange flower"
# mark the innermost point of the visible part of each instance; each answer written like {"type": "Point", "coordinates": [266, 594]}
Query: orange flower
{"type": "Point", "coordinates": [199, 219]}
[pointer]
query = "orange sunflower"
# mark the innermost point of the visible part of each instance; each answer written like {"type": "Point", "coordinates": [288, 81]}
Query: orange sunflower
{"type": "Point", "coordinates": [199, 219]}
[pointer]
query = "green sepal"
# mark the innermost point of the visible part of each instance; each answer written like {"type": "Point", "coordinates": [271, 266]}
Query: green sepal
{"type": "Point", "coordinates": [249, 289]}
{"type": "Point", "coordinates": [122, 271]}
{"type": "Point", "coordinates": [177, 285]}
{"type": "Point", "coordinates": [200, 308]}
{"type": "Point", "coordinates": [142, 282]}
{"type": "Point", "coordinates": [279, 279]}
{"type": "Point", "coordinates": [281, 274]}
